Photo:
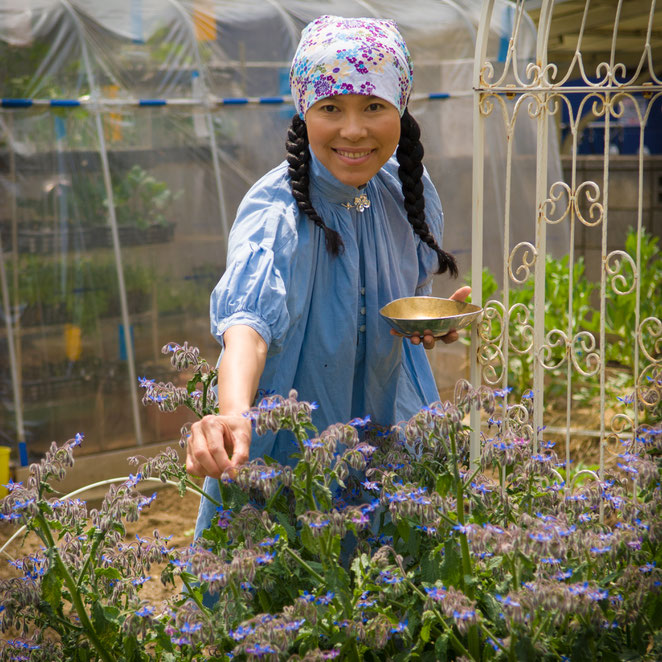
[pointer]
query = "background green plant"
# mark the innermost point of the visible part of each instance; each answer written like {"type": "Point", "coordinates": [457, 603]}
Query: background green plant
{"type": "Point", "coordinates": [83, 289]}
{"type": "Point", "coordinates": [619, 317]}
{"type": "Point", "coordinates": [141, 199]}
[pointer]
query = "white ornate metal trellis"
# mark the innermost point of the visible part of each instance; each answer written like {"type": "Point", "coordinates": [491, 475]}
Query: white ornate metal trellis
{"type": "Point", "coordinates": [540, 91]}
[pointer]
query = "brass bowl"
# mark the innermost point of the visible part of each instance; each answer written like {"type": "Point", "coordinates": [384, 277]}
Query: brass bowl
{"type": "Point", "coordinates": [411, 315]}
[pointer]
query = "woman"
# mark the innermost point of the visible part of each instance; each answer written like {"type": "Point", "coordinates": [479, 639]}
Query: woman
{"type": "Point", "coordinates": [320, 244]}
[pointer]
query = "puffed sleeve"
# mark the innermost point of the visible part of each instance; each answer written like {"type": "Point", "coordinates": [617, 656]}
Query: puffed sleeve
{"type": "Point", "coordinates": [253, 292]}
{"type": "Point", "coordinates": [254, 288]}
{"type": "Point", "coordinates": [428, 262]}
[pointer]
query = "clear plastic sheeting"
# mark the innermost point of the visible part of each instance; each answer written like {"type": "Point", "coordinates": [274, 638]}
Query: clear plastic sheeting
{"type": "Point", "coordinates": [130, 131]}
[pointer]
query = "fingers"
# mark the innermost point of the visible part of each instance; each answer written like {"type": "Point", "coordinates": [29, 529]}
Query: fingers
{"type": "Point", "coordinates": [428, 339]}
{"type": "Point", "coordinates": [207, 449]}
{"type": "Point", "coordinates": [240, 453]}
{"type": "Point", "coordinates": [461, 294]}
{"type": "Point", "coordinates": [450, 337]}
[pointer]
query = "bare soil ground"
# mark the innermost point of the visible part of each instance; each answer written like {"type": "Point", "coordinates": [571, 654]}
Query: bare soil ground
{"type": "Point", "coordinates": [169, 513]}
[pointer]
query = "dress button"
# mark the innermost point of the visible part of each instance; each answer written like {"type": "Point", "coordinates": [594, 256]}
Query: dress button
{"type": "Point", "coordinates": [363, 310]}
{"type": "Point", "coordinates": [362, 328]}
{"type": "Point", "coordinates": [363, 290]}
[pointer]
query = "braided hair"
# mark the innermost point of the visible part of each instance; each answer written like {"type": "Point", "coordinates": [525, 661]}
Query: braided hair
{"type": "Point", "coordinates": [410, 158]}
{"type": "Point", "coordinates": [298, 158]}
{"type": "Point", "coordinates": [410, 172]}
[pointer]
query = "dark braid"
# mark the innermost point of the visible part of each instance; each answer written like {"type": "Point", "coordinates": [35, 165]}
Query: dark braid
{"type": "Point", "coordinates": [410, 158]}
{"type": "Point", "coordinates": [298, 158]}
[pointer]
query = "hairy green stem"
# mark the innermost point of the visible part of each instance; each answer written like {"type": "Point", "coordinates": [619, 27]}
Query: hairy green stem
{"type": "Point", "coordinates": [490, 635]}
{"type": "Point", "coordinates": [309, 488]}
{"type": "Point", "coordinates": [467, 570]}
{"type": "Point", "coordinates": [473, 475]}
{"type": "Point", "coordinates": [543, 625]}
{"type": "Point", "coordinates": [193, 596]}
{"type": "Point", "coordinates": [95, 546]}
{"type": "Point", "coordinates": [455, 641]}
{"type": "Point", "coordinates": [273, 497]}
{"type": "Point", "coordinates": [303, 564]}
{"type": "Point", "coordinates": [74, 593]}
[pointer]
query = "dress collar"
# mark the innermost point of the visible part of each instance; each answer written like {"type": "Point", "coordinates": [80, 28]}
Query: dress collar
{"type": "Point", "coordinates": [328, 187]}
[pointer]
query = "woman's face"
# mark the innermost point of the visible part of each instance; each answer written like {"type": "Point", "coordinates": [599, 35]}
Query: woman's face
{"type": "Point", "coordinates": [353, 135]}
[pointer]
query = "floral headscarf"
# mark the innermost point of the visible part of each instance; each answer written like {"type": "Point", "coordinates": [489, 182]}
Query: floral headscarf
{"type": "Point", "coordinates": [351, 56]}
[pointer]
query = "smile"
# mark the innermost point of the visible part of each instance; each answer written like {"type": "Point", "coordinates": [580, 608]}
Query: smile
{"type": "Point", "coordinates": [353, 155]}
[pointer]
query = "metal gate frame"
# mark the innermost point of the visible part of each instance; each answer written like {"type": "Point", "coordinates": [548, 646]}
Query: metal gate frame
{"type": "Point", "coordinates": [541, 91]}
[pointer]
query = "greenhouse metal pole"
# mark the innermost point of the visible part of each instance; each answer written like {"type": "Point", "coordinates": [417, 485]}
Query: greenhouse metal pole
{"type": "Point", "coordinates": [14, 328]}
{"type": "Point", "coordinates": [105, 167]}
{"type": "Point", "coordinates": [204, 93]}
{"type": "Point", "coordinates": [13, 363]}
{"type": "Point", "coordinates": [478, 174]}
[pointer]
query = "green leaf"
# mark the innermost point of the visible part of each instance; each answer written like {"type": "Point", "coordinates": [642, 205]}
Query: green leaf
{"type": "Point", "coordinates": [441, 646]}
{"type": "Point", "coordinates": [131, 649]}
{"type": "Point", "coordinates": [450, 571]}
{"type": "Point", "coordinates": [51, 590]}
{"type": "Point", "coordinates": [284, 522]}
{"type": "Point", "coordinates": [263, 597]}
{"type": "Point", "coordinates": [163, 640]}
{"type": "Point", "coordinates": [108, 573]}
{"type": "Point", "coordinates": [403, 529]}
{"type": "Point", "coordinates": [308, 540]}
{"type": "Point", "coordinates": [443, 484]}
{"type": "Point", "coordinates": [413, 543]}
{"type": "Point", "coordinates": [425, 632]}
{"type": "Point", "coordinates": [526, 652]}
{"type": "Point", "coordinates": [103, 620]}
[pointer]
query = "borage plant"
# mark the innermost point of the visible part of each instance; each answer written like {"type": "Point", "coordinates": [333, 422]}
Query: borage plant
{"type": "Point", "coordinates": [375, 544]}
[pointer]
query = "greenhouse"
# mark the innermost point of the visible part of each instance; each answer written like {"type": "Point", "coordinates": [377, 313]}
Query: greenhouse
{"type": "Point", "coordinates": [130, 132]}
{"type": "Point", "coordinates": [504, 505]}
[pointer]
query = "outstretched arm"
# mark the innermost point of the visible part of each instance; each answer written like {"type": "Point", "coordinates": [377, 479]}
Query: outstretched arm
{"type": "Point", "coordinates": [220, 443]}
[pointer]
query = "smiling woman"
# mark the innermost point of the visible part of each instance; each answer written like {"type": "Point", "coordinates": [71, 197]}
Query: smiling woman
{"type": "Point", "coordinates": [353, 136]}
{"type": "Point", "coordinates": [320, 244]}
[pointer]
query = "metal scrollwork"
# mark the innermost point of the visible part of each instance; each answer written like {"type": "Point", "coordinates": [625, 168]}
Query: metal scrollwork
{"type": "Point", "coordinates": [533, 73]}
{"type": "Point", "coordinates": [546, 352]}
{"type": "Point", "coordinates": [490, 356]}
{"type": "Point", "coordinates": [549, 73]}
{"type": "Point", "coordinates": [491, 359]}
{"type": "Point", "coordinates": [486, 73]}
{"type": "Point", "coordinates": [613, 270]}
{"type": "Point", "coordinates": [583, 347]}
{"type": "Point", "coordinates": [535, 106]}
{"type": "Point", "coordinates": [603, 80]}
{"type": "Point", "coordinates": [599, 105]}
{"type": "Point", "coordinates": [557, 191]}
{"type": "Point", "coordinates": [493, 311]}
{"type": "Point", "coordinates": [529, 257]}
{"type": "Point", "coordinates": [554, 102]}
{"type": "Point", "coordinates": [649, 388]}
{"type": "Point", "coordinates": [645, 336]}
{"type": "Point", "coordinates": [519, 327]}
{"type": "Point", "coordinates": [621, 424]}
{"type": "Point", "coordinates": [517, 414]}
{"type": "Point", "coordinates": [486, 103]}
{"type": "Point", "coordinates": [596, 211]}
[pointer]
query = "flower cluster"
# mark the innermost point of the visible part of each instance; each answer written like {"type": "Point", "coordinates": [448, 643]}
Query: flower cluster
{"type": "Point", "coordinates": [275, 413]}
{"type": "Point", "coordinates": [375, 544]}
